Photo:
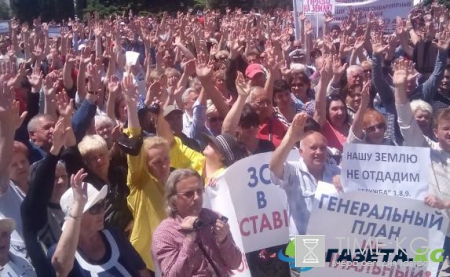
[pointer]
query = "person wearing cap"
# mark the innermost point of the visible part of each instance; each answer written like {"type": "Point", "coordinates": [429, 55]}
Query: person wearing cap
{"type": "Point", "coordinates": [85, 246]}
{"type": "Point", "coordinates": [174, 117]}
{"type": "Point", "coordinates": [148, 172]}
{"type": "Point", "coordinates": [221, 152]}
{"type": "Point", "coordinates": [192, 241]}
{"type": "Point", "coordinates": [10, 264]}
{"type": "Point", "coordinates": [255, 72]}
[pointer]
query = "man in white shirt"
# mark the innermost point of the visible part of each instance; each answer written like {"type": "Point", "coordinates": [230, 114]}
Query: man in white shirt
{"type": "Point", "coordinates": [299, 179]}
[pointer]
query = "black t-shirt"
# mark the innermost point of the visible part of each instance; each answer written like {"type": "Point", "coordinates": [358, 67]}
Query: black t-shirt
{"type": "Point", "coordinates": [120, 260]}
{"type": "Point", "coordinates": [264, 146]}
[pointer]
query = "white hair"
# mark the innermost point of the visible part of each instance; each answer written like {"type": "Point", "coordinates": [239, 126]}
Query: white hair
{"type": "Point", "coordinates": [353, 68]}
{"type": "Point", "coordinates": [101, 119]}
{"type": "Point", "coordinates": [421, 105]}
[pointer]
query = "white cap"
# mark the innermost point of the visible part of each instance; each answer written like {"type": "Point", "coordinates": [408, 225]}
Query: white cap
{"type": "Point", "coordinates": [94, 196]}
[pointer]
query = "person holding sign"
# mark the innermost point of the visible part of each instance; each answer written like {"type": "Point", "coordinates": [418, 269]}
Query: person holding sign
{"type": "Point", "coordinates": [192, 241]}
{"type": "Point", "coordinates": [439, 180]}
{"type": "Point", "coordinates": [299, 179]}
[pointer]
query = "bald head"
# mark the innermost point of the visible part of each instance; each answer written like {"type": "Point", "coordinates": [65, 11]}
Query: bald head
{"type": "Point", "coordinates": [310, 137]}
{"type": "Point", "coordinates": [313, 150]}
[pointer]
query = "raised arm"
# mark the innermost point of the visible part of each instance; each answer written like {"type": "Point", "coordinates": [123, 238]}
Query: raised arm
{"type": "Point", "coordinates": [294, 134]}
{"type": "Point", "coordinates": [411, 132]}
{"type": "Point", "coordinates": [231, 121]}
{"type": "Point", "coordinates": [204, 74]}
{"type": "Point", "coordinates": [330, 64]}
{"type": "Point", "coordinates": [356, 130]}
{"type": "Point", "coordinates": [9, 122]}
{"type": "Point", "coordinates": [430, 87]}
{"type": "Point", "coordinates": [64, 257]}
{"type": "Point", "coordinates": [378, 79]}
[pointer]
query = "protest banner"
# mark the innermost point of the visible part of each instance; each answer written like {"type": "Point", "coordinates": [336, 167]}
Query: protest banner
{"type": "Point", "coordinates": [54, 32]}
{"type": "Point", "coordinates": [390, 170]}
{"type": "Point", "coordinates": [373, 234]}
{"type": "Point", "coordinates": [217, 198]}
{"type": "Point", "coordinates": [261, 207]}
{"type": "Point", "coordinates": [318, 6]}
{"type": "Point", "coordinates": [388, 10]}
{"type": "Point", "coordinates": [4, 27]}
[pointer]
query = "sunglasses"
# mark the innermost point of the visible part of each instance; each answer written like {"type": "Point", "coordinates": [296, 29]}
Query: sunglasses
{"type": "Point", "coordinates": [97, 208]}
{"type": "Point", "coordinates": [373, 128]}
{"type": "Point", "coordinates": [215, 119]}
{"type": "Point", "coordinates": [190, 194]}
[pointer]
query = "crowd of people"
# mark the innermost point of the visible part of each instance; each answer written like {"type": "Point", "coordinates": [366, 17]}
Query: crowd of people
{"type": "Point", "coordinates": [111, 129]}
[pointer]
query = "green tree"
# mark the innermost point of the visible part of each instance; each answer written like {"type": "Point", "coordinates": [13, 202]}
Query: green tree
{"type": "Point", "coordinates": [25, 10]}
{"type": "Point", "coordinates": [5, 11]}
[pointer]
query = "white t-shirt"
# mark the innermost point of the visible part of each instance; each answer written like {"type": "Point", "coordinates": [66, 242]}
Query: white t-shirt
{"type": "Point", "coordinates": [10, 203]}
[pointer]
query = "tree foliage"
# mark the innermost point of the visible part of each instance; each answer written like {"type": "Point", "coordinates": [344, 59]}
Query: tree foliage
{"type": "Point", "coordinates": [5, 11]}
{"type": "Point", "coordinates": [58, 10]}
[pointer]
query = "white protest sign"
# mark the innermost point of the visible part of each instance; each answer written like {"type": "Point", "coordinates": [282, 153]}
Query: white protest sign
{"type": "Point", "coordinates": [318, 6]}
{"type": "Point", "coordinates": [390, 170]}
{"type": "Point", "coordinates": [375, 235]}
{"type": "Point", "coordinates": [4, 27]}
{"type": "Point", "coordinates": [217, 198]}
{"type": "Point", "coordinates": [386, 9]}
{"type": "Point", "coordinates": [54, 32]}
{"type": "Point", "coordinates": [260, 206]}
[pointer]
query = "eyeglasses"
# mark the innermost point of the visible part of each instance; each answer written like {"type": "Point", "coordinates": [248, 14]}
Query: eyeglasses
{"type": "Point", "coordinates": [263, 102]}
{"type": "Point", "coordinates": [373, 128]}
{"type": "Point", "coordinates": [215, 119]}
{"type": "Point", "coordinates": [97, 208]}
{"type": "Point", "coordinates": [190, 194]}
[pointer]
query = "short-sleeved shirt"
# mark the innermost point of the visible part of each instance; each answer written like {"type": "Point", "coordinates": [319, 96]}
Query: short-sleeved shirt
{"type": "Point", "coordinates": [120, 260]}
{"type": "Point", "coordinates": [10, 203]}
{"type": "Point", "coordinates": [300, 187]}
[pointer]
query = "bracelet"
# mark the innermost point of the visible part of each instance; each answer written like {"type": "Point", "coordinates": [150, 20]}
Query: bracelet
{"type": "Point", "coordinates": [92, 92]}
{"type": "Point", "coordinates": [75, 217]}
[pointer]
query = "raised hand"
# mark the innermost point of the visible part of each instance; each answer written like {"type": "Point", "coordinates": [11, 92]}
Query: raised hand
{"type": "Point", "coordinates": [338, 68]}
{"type": "Point", "coordinates": [35, 79]}
{"type": "Point", "coordinates": [202, 68]}
{"type": "Point", "coordinates": [94, 78]}
{"type": "Point", "coordinates": [113, 85]}
{"type": "Point", "coordinates": [403, 71]}
{"type": "Point", "coordinates": [79, 189]}
{"type": "Point", "coordinates": [64, 104]}
{"type": "Point", "coordinates": [50, 84]}
{"type": "Point", "coordinates": [444, 40]}
{"type": "Point", "coordinates": [377, 44]}
{"type": "Point", "coordinates": [243, 88]}
{"type": "Point", "coordinates": [365, 96]}
{"type": "Point", "coordinates": [130, 90]}
{"type": "Point", "coordinates": [10, 108]}
{"type": "Point", "coordinates": [85, 55]}
{"type": "Point", "coordinates": [297, 128]}
{"type": "Point", "coordinates": [60, 134]}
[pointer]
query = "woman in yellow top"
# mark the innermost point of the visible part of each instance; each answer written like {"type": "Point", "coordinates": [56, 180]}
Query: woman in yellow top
{"type": "Point", "coordinates": [148, 172]}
